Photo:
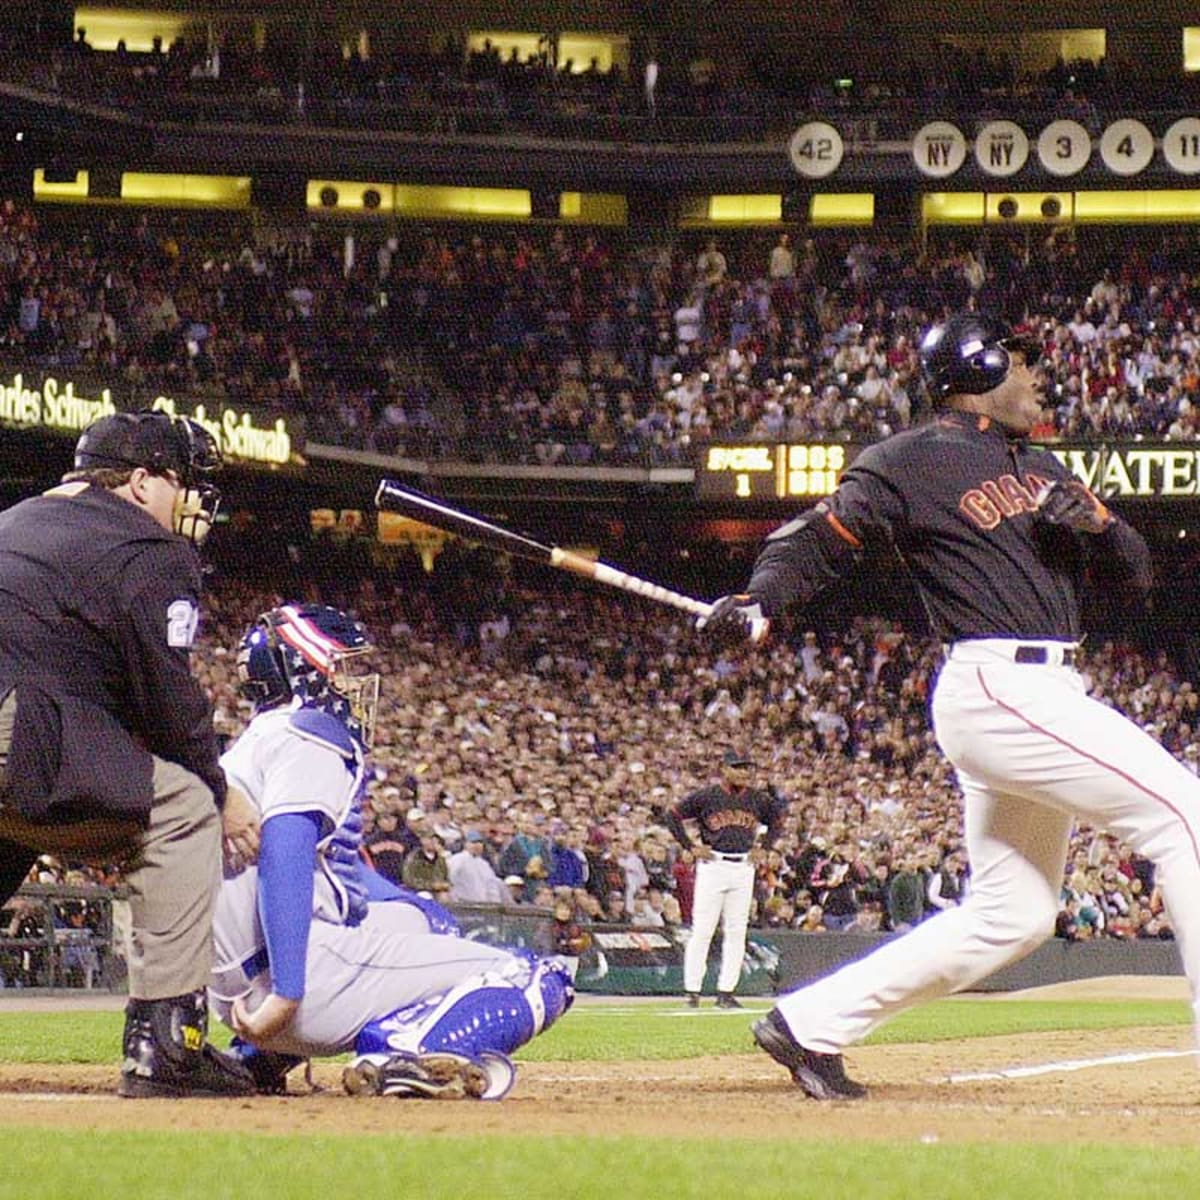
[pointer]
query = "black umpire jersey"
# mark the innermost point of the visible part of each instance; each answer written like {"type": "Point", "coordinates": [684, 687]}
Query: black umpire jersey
{"type": "Point", "coordinates": [728, 820]}
{"type": "Point", "coordinates": [98, 610]}
{"type": "Point", "coordinates": [956, 498]}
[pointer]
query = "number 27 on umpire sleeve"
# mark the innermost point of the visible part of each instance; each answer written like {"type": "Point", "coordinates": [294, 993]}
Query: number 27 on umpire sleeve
{"type": "Point", "coordinates": [182, 618]}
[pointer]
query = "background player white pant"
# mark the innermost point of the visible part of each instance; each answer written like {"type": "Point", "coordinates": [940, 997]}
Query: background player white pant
{"type": "Point", "coordinates": [723, 892]}
{"type": "Point", "coordinates": [1032, 749]}
{"type": "Point", "coordinates": [358, 973]}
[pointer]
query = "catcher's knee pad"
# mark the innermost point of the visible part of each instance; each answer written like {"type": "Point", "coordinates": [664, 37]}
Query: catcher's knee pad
{"type": "Point", "coordinates": [553, 981]}
{"type": "Point", "coordinates": [490, 1012]}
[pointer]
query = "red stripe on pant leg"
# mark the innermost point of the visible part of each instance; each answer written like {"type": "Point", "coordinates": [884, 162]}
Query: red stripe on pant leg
{"type": "Point", "coordinates": [1008, 708]}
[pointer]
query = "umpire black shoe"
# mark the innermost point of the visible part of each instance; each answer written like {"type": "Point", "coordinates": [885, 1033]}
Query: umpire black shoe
{"type": "Point", "coordinates": [693, 999]}
{"type": "Point", "coordinates": [727, 1000]}
{"type": "Point", "coordinates": [167, 1054]}
{"type": "Point", "coordinates": [821, 1076]}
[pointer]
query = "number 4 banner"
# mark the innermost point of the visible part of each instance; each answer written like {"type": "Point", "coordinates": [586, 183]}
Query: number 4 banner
{"type": "Point", "coordinates": [1127, 147]}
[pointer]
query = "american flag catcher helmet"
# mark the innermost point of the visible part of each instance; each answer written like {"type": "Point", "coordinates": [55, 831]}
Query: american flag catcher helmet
{"type": "Point", "coordinates": [314, 655]}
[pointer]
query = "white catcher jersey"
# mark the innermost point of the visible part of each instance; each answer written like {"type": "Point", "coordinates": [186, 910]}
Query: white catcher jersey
{"type": "Point", "coordinates": [284, 768]}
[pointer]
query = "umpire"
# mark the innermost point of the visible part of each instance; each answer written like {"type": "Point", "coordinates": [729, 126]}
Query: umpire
{"type": "Point", "coordinates": [107, 748]}
{"type": "Point", "coordinates": [729, 815]}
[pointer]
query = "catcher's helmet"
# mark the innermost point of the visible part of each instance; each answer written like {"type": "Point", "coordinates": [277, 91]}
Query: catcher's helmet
{"type": "Point", "coordinates": [312, 654]}
{"type": "Point", "coordinates": [160, 443]}
{"type": "Point", "coordinates": [969, 355]}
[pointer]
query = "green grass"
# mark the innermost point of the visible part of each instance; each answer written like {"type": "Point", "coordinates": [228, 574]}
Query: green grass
{"type": "Point", "coordinates": [645, 1030]}
{"type": "Point", "coordinates": [45, 1165]}
{"type": "Point", "coordinates": [147, 1166]}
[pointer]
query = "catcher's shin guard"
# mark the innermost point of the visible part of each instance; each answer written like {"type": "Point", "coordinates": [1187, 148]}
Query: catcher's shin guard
{"type": "Point", "coordinates": [166, 1052]}
{"type": "Point", "coordinates": [495, 1011]}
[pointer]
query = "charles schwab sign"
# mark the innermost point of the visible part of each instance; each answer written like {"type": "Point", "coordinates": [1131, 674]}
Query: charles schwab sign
{"type": "Point", "coordinates": [59, 404]}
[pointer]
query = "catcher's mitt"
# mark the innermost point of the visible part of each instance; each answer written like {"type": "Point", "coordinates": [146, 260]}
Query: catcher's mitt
{"type": "Point", "coordinates": [1069, 503]}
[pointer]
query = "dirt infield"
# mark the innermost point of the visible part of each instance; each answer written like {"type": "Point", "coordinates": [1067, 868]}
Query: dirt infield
{"type": "Point", "coordinates": [1137, 1085]}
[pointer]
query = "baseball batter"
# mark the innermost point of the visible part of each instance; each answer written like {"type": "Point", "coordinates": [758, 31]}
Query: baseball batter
{"type": "Point", "coordinates": [322, 960]}
{"type": "Point", "coordinates": [729, 816]}
{"type": "Point", "coordinates": [996, 535]}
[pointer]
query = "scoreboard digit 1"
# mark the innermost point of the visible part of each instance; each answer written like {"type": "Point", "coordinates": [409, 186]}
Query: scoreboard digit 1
{"type": "Point", "coordinates": [772, 471]}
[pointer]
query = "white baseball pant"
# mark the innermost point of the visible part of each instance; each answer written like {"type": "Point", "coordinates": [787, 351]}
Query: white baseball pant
{"type": "Point", "coordinates": [723, 892]}
{"type": "Point", "coordinates": [355, 974]}
{"type": "Point", "coordinates": [1032, 751]}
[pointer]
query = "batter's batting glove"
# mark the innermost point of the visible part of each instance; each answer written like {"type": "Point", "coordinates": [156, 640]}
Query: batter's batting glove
{"type": "Point", "coordinates": [1069, 503]}
{"type": "Point", "coordinates": [732, 617]}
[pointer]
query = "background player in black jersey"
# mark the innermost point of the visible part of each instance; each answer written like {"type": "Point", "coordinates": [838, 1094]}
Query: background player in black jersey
{"type": "Point", "coordinates": [729, 815]}
{"type": "Point", "coordinates": [107, 748]}
{"type": "Point", "coordinates": [996, 535]}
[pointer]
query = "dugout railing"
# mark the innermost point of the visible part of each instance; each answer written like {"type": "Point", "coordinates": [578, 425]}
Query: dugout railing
{"type": "Point", "coordinates": [63, 937]}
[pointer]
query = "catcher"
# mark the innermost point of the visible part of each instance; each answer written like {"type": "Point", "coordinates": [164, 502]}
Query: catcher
{"type": "Point", "coordinates": [316, 962]}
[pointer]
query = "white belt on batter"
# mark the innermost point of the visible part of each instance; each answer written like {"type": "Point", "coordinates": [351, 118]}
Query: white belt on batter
{"type": "Point", "coordinates": [1013, 650]}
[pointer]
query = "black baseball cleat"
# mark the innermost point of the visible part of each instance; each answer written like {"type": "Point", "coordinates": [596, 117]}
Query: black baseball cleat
{"type": "Point", "coordinates": [693, 999]}
{"type": "Point", "coordinates": [727, 1000]}
{"type": "Point", "coordinates": [167, 1053]}
{"type": "Point", "coordinates": [268, 1069]}
{"type": "Point", "coordinates": [821, 1076]}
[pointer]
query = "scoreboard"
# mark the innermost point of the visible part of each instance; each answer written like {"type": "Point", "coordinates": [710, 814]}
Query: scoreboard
{"type": "Point", "coordinates": [772, 471]}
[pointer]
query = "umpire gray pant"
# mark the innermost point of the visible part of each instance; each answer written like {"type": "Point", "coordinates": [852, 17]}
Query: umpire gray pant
{"type": "Point", "coordinates": [172, 869]}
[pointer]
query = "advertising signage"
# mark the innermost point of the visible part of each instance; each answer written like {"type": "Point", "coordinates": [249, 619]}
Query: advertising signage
{"type": "Point", "coordinates": [758, 471]}
{"type": "Point", "coordinates": [57, 403]}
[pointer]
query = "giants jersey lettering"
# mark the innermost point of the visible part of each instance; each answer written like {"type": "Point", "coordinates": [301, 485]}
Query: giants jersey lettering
{"type": "Point", "coordinates": [994, 499]}
{"type": "Point", "coordinates": [729, 821]}
{"type": "Point", "coordinates": [956, 498]}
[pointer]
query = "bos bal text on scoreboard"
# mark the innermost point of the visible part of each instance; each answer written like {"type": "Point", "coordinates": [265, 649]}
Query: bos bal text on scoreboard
{"type": "Point", "coordinates": [772, 472]}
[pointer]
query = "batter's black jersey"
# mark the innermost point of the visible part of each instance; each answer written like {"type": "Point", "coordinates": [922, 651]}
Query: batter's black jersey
{"type": "Point", "coordinates": [956, 498]}
{"type": "Point", "coordinates": [98, 610]}
{"type": "Point", "coordinates": [728, 821]}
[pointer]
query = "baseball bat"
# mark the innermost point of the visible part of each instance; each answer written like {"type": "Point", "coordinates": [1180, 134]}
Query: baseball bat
{"type": "Point", "coordinates": [392, 496]}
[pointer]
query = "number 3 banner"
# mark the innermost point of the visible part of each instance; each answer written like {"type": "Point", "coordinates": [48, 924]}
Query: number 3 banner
{"type": "Point", "coordinates": [816, 150]}
{"type": "Point", "coordinates": [1064, 148]}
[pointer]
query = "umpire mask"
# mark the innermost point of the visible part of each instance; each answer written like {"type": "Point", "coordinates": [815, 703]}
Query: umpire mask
{"type": "Point", "coordinates": [163, 444]}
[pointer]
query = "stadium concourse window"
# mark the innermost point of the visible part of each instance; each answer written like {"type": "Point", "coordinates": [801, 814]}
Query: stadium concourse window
{"type": "Point", "coordinates": [1191, 48]}
{"type": "Point", "coordinates": [135, 31]}
{"type": "Point", "coordinates": [1033, 53]}
{"type": "Point", "coordinates": [489, 52]}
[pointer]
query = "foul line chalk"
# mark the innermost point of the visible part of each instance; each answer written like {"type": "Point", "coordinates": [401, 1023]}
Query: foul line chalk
{"type": "Point", "coordinates": [1070, 1064]}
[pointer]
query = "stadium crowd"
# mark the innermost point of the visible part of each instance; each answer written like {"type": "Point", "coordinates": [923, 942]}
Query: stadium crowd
{"type": "Point", "coordinates": [577, 347]}
{"type": "Point", "coordinates": [532, 734]}
{"type": "Point", "coordinates": [525, 84]}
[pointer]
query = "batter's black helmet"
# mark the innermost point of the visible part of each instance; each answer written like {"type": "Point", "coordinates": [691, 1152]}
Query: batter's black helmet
{"type": "Point", "coordinates": [969, 355]}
